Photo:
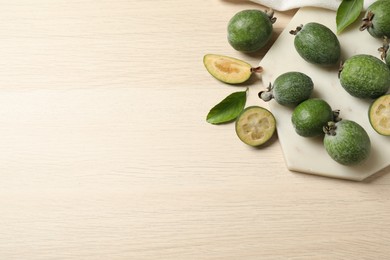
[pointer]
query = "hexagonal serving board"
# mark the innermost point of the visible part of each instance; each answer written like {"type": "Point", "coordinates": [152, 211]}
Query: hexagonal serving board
{"type": "Point", "coordinates": [308, 155]}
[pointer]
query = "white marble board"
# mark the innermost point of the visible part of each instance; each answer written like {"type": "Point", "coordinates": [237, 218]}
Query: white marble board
{"type": "Point", "coordinates": [307, 155]}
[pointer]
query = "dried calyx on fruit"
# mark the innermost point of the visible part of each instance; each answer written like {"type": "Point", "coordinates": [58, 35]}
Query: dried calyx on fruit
{"type": "Point", "coordinates": [384, 51]}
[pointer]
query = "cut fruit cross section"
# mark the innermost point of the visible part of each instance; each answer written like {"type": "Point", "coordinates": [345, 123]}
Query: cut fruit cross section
{"type": "Point", "coordinates": [379, 115]}
{"type": "Point", "coordinates": [255, 125]}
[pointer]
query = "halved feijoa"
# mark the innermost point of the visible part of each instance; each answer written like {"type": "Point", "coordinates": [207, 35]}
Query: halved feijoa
{"type": "Point", "coordinates": [255, 125]}
{"type": "Point", "coordinates": [379, 115]}
{"type": "Point", "coordinates": [227, 69]}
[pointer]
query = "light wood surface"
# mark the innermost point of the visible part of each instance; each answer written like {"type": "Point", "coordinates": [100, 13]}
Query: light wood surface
{"type": "Point", "coordinates": [105, 152]}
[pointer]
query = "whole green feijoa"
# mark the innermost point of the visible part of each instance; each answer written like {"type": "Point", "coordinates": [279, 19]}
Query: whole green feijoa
{"type": "Point", "coordinates": [377, 19]}
{"type": "Point", "coordinates": [347, 142]}
{"type": "Point", "coordinates": [310, 116]}
{"type": "Point", "coordinates": [317, 44]}
{"type": "Point", "coordinates": [365, 76]}
{"type": "Point", "coordinates": [290, 88]}
{"type": "Point", "coordinates": [249, 30]}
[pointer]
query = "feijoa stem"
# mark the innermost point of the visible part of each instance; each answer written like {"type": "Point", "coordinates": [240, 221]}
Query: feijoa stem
{"type": "Point", "coordinates": [336, 115]}
{"type": "Point", "coordinates": [266, 95]}
{"type": "Point", "coordinates": [367, 21]}
{"type": "Point", "coordinates": [270, 13]}
{"type": "Point", "coordinates": [258, 69]}
{"type": "Point", "coordinates": [294, 32]}
{"type": "Point", "coordinates": [330, 128]}
{"type": "Point", "coordinates": [383, 50]}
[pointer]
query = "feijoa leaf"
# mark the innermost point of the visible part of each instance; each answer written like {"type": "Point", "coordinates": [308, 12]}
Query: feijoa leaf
{"type": "Point", "coordinates": [347, 12]}
{"type": "Point", "coordinates": [228, 109]}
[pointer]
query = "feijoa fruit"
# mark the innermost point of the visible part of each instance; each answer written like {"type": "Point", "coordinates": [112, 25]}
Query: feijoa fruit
{"type": "Point", "coordinates": [289, 89]}
{"type": "Point", "coordinates": [310, 116]}
{"type": "Point", "coordinates": [250, 30]}
{"type": "Point", "coordinates": [365, 76]}
{"type": "Point", "coordinates": [227, 69]}
{"type": "Point", "coordinates": [377, 19]}
{"type": "Point", "coordinates": [255, 125]}
{"type": "Point", "coordinates": [379, 115]}
{"type": "Point", "coordinates": [346, 142]}
{"type": "Point", "coordinates": [317, 44]}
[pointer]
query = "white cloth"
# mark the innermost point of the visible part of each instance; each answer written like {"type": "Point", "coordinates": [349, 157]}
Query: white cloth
{"type": "Point", "coordinates": [283, 5]}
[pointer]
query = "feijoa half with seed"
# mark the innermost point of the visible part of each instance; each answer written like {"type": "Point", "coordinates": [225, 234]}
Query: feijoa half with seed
{"type": "Point", "coordinates": [365, 76]}
{"type": "Point", "coordinates": [229, 70]}
{"type": "Point", "coordinates": [317, 44]}
{"type": "Point", "coordinates": [346, 142]}
{"type": "Point", "coordinates": [379, 115]}
{"type": "Point", "coordinates": [255, 125]}
{"type": "Point", "coordinates": [289, 89]}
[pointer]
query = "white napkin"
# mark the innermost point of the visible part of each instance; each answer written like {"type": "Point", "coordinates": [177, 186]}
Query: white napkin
{"type": "Point", "coordinates": [283, 5]}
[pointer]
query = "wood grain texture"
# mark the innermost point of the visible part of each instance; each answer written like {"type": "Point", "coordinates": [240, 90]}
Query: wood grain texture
{"type": "Point", "coordinates": [105, 152]}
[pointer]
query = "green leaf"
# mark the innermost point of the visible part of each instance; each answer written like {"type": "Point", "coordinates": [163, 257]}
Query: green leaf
{"type": "Point", "coordinates": [228, 109]}
{"type": "Point", "coordinates": [347, 13]}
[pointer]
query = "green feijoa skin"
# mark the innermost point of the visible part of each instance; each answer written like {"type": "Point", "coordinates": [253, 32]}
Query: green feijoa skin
{"type": "Point", "coordinates": [250, 30]}
{"type": "Point", "coordinates": [255, 125]}
{"type": "Point", "coordinates": [365, 76]}
{"type": "Point", "coordinates": [347, 142]}
{"type": "Point", "coordinates": [317, 44]}
{"type": "Point", "coordinates": [387, 59]}
{"type": "Point", "coordinates": [379, 115]}
{"type": "Point", "coordinates": [289, 89]}
{"type": "Point", "coordinates": [310, 116]}
{"type": "Point", "coordinates": [377, 19]}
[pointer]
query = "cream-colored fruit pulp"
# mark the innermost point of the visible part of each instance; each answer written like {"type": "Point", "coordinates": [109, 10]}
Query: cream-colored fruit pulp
{"type": "Point", "coordinates": [255, 126]}
{"type": "Point", "coordinates": [227, 69]}
{"type": "Point", "coordinates": [380, 115]}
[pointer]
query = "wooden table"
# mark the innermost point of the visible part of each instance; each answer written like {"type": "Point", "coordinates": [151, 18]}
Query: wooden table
{"type": "Point", "coordinates": [105, 152]}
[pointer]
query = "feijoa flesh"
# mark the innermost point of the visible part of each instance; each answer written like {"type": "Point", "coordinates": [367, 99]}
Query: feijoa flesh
{"type": "Point", "coordinates": [346, 142]}
{"type": "Point", "coordinates": [289, 89]}
{"type": "Point", "coordinates": [250, 30]}
{"type": "Point", "coordinates": [377, 19]}
{"type": "Point", "coordinates": [317, 44]}
{"type": "Point", "coordinates": [255, 125]}
{"type": "Point", "coordinates": [310, 116]}
{"type": "Point", "coordinates": [227, 69]}
{"type": "Point", "coordinates": [379, 115]}
{"type": "Point", "coordinates": [365, 76]}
